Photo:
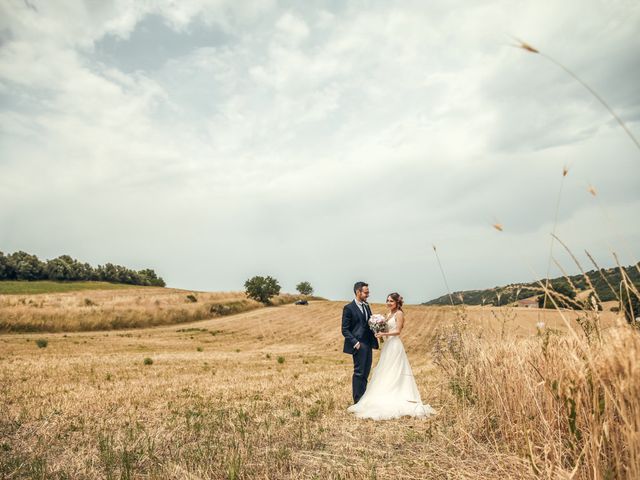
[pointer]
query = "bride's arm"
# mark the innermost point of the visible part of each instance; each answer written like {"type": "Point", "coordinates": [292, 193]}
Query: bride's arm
{"type": "Point", "coordinates": [399, 325]}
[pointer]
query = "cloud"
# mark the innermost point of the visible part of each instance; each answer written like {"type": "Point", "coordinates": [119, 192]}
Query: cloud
{"type": "Point", "coordinates": [217, 140]}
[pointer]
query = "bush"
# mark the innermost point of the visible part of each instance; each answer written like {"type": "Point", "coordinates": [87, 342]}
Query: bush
{"type": "Point", "coordinates": [563, 296]}
{"type": "Point", "coordinates": [262, 289]}
{"type": "Point", "coordinates": [630, 305]}
{"type": "Point", "coordinates": [148, 361]}
{"type": "Point", "coordinates": [280, 360]}
{"type": "Point", "coordinates": [42, 343]}
{"type": "Point", "coordinates": [192, 298]}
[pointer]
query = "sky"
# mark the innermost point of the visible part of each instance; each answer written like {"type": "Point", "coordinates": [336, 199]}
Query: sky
{"type": "Point", "coordinates": [327, 142]}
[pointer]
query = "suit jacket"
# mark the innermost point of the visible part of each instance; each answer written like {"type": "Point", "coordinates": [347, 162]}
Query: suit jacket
{"type": "Point", "coordinates": [355, 328]}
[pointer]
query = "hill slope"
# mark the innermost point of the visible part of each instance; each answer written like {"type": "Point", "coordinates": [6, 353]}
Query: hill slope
{"type": "Point", "coordinates": [115, 307]}
{"type": "Point", "coordinates": [605, 281]}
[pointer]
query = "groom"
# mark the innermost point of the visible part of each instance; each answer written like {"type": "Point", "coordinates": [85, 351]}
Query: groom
{"type": "Point", "coordinates": [358, 338]}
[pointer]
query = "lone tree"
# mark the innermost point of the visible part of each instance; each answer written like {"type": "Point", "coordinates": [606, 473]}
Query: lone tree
{"type": "Point", "coordinates": [304, 288]}
{"type": "Point", "coordinates": [262, 288]}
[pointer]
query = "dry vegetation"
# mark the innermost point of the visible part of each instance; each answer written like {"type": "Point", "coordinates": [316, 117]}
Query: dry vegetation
{"type": "Point", "coordinates": [263, 394]}
{"type": "Point", "coordinates": [117, 308]}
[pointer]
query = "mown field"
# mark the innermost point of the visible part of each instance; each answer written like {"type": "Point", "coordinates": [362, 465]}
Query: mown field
{"type": "Point", "coordinates": [263, 394]}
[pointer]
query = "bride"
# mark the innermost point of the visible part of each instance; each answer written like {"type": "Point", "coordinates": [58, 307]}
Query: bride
{"type": "Point", "coordinates": [392, 390]}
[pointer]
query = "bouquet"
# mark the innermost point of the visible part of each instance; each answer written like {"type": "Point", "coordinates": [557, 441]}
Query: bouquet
{"type": "Point", "coordinates": [378, 323]}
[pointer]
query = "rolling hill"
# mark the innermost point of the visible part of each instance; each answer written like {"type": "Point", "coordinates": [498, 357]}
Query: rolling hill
{"type": "Point", "coordinates": [605, 281]}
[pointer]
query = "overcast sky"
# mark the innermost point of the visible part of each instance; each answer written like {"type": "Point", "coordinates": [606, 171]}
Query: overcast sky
{"type": "Point", "coordinates": [322, 141]}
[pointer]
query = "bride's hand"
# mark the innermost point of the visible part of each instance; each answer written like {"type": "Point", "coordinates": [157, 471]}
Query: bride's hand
{"type": "Point", "coordinates": [379, 335]}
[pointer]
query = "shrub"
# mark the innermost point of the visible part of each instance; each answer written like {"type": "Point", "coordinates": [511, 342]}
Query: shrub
{"type": "Point", "coordinates": [280, 360]}
{"type": "Point", "coordinates": [42, 343]}
{"type": "Point", "coordinates": [192, 298]}
{"type": "Point", "coordinates": [148, 361]}
{"type": "Point", "coordinates": [563, 296]}
{"type": "Point", "coordinates": [220, 309]}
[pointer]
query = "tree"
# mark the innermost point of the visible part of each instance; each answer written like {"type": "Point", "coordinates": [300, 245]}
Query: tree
{"type": "Point", "coordinates": [304, 288]}
{"type": "Point", "coordinates": [6, 269]}
{"type": "Point", "coordinates": [57, 269]}
{"type": "Point", "coordinates": [262, 288]}
{"type": "Point", "coordinates": [26, 266]}
{"type": "Point", "coordinates": [149, 277]}
{"type": "Point", "coordinates": [562, 294]}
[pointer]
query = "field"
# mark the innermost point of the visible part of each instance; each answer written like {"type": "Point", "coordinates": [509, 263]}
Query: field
{"type": "Point", "coordinates": [118, 306]}
{"type": "Point", "coordinates": [263, 394]}
{"type": "Point", "coordinates": [8, 287]}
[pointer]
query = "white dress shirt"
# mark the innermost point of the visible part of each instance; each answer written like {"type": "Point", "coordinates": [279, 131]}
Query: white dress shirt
{"type": "Point", "coordinates": [364, 312]}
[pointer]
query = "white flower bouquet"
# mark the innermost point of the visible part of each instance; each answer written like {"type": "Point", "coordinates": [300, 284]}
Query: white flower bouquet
{"type": "Point", "coordinates": [378, 323]}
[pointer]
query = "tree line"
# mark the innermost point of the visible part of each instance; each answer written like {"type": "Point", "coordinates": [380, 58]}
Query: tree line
{"type": "Point", "coordinates": [24, 266]}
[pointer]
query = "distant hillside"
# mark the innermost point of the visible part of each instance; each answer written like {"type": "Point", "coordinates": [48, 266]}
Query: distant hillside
{"type": "Point", "coordinates": [516, 291]}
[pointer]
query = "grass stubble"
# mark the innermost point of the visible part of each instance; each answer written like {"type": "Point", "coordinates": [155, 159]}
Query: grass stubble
{"type": "Point", "coordinates": [263, 394]}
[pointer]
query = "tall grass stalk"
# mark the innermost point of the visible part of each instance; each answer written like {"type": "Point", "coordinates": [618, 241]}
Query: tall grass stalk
{"type": "Point", "coordinates": [565, 171]}
{"type": "Point", "coordinates": [525, 46]}
{"type": "Point", "coordinates": [444, 277]}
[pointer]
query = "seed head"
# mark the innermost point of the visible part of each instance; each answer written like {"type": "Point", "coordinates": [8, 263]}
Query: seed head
{"type": "Point", "coordinates": [527, 47]}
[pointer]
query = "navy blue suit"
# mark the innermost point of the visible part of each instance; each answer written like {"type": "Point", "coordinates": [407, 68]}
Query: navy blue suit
{"type": "Point", "coordinates": [356, 329]}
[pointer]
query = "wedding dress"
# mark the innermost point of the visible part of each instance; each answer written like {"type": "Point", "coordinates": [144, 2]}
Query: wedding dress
{"type": "Point", "coordinates": [392, 391]}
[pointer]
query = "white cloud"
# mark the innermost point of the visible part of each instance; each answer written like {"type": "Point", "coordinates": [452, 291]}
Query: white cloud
{"type": "Point", "coordinates": [314, 144]}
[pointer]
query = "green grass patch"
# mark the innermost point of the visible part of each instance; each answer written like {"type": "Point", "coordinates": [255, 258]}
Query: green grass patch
{"type": "Point", "coordinates": [12, 287]}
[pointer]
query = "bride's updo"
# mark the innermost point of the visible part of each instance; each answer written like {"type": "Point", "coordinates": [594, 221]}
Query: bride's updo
{"type": "Point", "coordinates": [396, 297]}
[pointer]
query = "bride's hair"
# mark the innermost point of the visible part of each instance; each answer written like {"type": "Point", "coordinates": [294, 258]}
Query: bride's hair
{"type": "Point", "coordinates": [396, 297]}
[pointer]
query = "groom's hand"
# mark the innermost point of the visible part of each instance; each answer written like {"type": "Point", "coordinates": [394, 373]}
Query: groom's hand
{"type": "Point", "coordinates": [357, 346]}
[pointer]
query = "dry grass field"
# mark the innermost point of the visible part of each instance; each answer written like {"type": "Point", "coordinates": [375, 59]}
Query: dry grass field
{"type": "Point", "coordinates": [116, 307]}
{"type": "Point", "coordinates": [262, 395]}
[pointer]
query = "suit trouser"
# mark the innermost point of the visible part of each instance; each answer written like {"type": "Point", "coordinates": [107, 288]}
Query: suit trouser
{"type": "Point", "coordinates": [362, 359]}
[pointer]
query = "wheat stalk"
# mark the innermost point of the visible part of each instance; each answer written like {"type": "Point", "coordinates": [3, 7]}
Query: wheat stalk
{"type": "Point", "coordinates": [528, 48]}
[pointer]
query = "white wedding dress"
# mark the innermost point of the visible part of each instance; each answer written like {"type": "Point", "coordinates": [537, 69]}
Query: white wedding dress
{"type": "Point", "coordinates": [392, 391]}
